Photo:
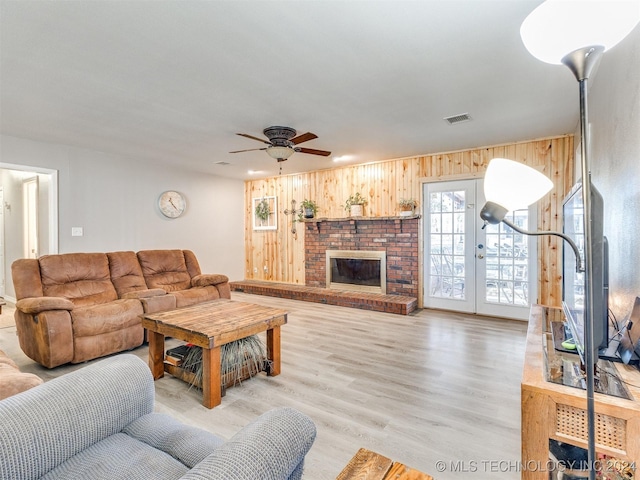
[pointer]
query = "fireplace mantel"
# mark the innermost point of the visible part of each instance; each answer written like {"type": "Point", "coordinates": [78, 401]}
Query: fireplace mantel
{"type": "Point", "coordinates": [357, 219]}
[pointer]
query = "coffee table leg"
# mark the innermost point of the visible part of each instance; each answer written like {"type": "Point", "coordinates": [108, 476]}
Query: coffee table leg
{"type": "Point", "coordinates": [273, 350]}
{"type": "Point", "coordinates": [156, 354]}
{"type": "Point", "coordinates": [211, 392]}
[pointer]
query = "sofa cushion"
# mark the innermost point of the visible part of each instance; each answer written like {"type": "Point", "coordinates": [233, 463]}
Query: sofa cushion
{"type": "Point", "coordinates": [106, 317]}
{"type": "Point", "coordinates": [126, 273]}
{"type": "Point", "coordinates": [26, 278]}
{"type": "Point", "coordinates": [166, 269]}
{"type": "Point", "coordinates": [83, 278]}
{"type": "Point", "coordinates": [185, 298]}
{"type": "Point", "coordinates": [119, 456]}
{"type": "Point", "coordinates": [188, 444]}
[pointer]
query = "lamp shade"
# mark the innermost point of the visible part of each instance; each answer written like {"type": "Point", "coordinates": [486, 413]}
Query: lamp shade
{"type": "Point", "coordinates": [514, 185]}
{"type": "Point", "coordinates": [280, 153]}
{"type": "Point", "coordinates": [558, 27]}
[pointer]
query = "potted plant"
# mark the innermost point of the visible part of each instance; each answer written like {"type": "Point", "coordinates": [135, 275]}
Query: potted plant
{"type": "Point", "coordinates": [354, 205]}
{"type": "Point", "coordinates": [263, 210]}
{"type": "Point", "coordinates": [309, 208]}
{"type": "Point", "coordinates": [407, 206]}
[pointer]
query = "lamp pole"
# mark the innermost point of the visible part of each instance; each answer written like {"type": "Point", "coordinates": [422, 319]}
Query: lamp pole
{"type": "Point", "coordinates": [582, 62]}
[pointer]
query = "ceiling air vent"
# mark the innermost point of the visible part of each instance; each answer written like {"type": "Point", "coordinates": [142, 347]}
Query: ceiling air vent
{"type": "Point", "coordinates": [454, 119]}
{"type": "Point", "coordinates": [222, 163]}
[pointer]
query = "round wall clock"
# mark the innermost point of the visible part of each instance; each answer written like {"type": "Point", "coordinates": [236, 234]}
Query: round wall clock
{"type": "Point", "coordinates": [172, 204]}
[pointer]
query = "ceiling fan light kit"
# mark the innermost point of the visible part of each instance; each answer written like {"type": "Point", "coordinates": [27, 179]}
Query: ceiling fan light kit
{"type": "Point", "coordinates": [280, 153]}
{"type": "Point", "coordinates": [282, 143]}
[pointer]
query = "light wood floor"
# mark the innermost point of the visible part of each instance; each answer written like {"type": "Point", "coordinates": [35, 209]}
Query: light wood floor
{"type": "Point", "coordinates": [426, 388]}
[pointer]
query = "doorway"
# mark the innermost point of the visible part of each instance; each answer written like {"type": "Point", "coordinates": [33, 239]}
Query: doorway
{"type": "Point", "coordinates": [13, 183]}
{"type": "Point", "coordinates": [473, 268]}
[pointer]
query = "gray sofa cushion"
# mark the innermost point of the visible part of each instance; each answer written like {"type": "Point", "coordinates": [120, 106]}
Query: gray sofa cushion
{"type": "Point", "coordinates": [188, 444]}
{"type": "Point", "coordinates": [119, 457]}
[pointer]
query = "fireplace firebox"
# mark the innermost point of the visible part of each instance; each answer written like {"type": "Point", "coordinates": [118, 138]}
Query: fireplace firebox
{"type": "Point", "coordinates": [359, 270]}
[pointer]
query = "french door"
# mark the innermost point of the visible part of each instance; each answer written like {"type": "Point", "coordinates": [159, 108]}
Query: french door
{"type": "Point", "coordinates": [468, 268]}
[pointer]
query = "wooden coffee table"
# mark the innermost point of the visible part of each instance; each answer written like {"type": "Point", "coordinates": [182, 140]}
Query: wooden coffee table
{"type": "Point", "coordinates": [368, 465]}
{"type": "Point", "coordinates": [210, 325]}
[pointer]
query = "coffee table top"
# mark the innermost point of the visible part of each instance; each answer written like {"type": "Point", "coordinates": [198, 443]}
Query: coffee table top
{"type": "Point", "coordinates": [214, 323]}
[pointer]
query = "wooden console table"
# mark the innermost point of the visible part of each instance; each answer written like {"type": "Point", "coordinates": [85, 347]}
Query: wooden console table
{"type": "Point", "coordinates": [554, 411]}
{"type": "Point", "coordinates": [368, 465]}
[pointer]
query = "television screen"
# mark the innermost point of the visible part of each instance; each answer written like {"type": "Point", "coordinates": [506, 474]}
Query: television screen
{"type": "Point", "coordinates": [573, 286]}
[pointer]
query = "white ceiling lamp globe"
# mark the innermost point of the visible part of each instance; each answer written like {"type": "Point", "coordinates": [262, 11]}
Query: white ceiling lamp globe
{"type": "Point", "coordinates": [558, 27]}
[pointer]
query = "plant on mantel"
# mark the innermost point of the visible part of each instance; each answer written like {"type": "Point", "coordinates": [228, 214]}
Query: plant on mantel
{"type": "Point", "coordinates": [406, 206]}
{"type": "Point", "coordinates": [308, 209]}
{"type": "Point", "coordinates": [354, 204]}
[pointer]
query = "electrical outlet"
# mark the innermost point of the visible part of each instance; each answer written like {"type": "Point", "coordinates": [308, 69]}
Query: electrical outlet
{"type": "Point", "coordinates": [255, 269]}
{"type": "Point", "coordinates": [76, 231]}
{"type": "Point", "coordinates": [266, 269]}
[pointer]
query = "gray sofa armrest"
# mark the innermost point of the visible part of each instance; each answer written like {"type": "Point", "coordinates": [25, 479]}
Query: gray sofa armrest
{"type": "Point", "coordinates": [272, 447]}
{"type": "Point", "coordinates": [46, 425]}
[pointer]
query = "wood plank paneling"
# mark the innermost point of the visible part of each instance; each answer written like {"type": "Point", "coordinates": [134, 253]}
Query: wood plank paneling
{"type": "Point", "coordinates": [278, 255]}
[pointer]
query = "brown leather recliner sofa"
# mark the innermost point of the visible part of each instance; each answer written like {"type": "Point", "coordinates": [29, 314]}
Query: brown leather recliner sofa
{"type": "Point", "coordinates": [75, 307]}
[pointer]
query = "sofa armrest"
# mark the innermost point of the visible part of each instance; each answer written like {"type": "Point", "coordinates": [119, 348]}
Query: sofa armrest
{"type": "Point", "coordinates": [35, 305]}
{"type": "Point", "coordinates": [272, 447]}
{"type": "Point", "coordinates": [150, 292]}
{"type": "Point", "coordinates": [208, 279]}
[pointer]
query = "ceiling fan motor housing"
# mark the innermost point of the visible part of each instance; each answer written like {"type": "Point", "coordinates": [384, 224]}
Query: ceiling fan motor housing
{"type": "Point", "coordinates": [280, 136]}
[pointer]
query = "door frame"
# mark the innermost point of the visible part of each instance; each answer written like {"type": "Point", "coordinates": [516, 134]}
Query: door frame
{"type": "Point", "coordinates": [52, 208]}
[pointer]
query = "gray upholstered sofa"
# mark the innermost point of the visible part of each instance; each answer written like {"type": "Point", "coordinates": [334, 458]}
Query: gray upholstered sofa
{"type": "Point", "coordinates": [98, 422]}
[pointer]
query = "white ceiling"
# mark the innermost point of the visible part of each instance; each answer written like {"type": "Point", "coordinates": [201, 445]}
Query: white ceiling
{"type": "Point", "coordinates": [174, 81]}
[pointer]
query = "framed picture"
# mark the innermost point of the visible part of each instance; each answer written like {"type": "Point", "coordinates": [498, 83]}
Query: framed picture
{"type": "Point", "coordinates": [265, 213]}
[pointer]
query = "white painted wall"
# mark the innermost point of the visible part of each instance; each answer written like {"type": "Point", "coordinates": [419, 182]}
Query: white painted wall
{"type": "Point", "coordinates": [614, 115]}
{"type": "Point", "coordinates": [114, 200]}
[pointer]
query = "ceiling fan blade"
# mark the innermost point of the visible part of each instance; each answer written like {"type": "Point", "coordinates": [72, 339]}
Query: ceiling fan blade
{"type": "Point", "coordinates": [250, 150]}
{"type": "Point", "coordinates": [254, 138]}
{"type": "Point", "coordinates": [312, 151]}
{"type": "Point", "coordinates": [305, 137]}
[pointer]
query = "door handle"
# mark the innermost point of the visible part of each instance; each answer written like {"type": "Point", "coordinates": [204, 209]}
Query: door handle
{"type": "Point", "coordinates": [480, 256]}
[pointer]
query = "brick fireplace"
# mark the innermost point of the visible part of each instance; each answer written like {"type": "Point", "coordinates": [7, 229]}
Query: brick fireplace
{"type": "Point", "coordinates": [397, 237]}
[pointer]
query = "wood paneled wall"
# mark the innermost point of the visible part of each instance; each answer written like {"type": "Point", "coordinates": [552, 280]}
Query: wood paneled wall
{"type": "Point", "coordinates": [278, 255]}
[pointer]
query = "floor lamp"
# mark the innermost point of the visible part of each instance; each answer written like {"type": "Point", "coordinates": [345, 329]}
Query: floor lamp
{"type": "Point", "coordinates": [576, 34]}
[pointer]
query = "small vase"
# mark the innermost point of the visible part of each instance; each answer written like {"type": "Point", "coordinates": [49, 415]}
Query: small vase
{"type": "Point", "coordinates": [406, 213]}
{"type": "Point", "coordinates": [308, 213]}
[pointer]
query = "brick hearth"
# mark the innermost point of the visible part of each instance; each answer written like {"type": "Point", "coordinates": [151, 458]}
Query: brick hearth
{"type": "Point", "coordinates": [400, 304]}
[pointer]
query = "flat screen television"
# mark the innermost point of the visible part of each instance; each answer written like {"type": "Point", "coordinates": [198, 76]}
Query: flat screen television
{"type": "Point", "coordinates": [573, 288]}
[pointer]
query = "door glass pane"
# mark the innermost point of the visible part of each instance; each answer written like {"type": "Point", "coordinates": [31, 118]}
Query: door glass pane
{"type": "Point", "coordinates": [507, 275]}
{"type": "Point", "coordinates": [447, 232]}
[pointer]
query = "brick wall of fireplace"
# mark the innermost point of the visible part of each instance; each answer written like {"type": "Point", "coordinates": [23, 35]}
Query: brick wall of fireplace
{"type": "Point", "coordinates": [397, 237]}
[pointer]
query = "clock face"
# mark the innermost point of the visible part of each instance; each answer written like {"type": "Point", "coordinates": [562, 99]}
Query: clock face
{"type": "Point", "coordinates": [172, 204]}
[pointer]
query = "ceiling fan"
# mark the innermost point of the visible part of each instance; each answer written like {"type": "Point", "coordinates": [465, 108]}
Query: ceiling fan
{"type": "Point", "coordinates": [283, 143]}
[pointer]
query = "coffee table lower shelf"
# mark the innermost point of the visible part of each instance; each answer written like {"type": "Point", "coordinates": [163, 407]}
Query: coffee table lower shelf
{"type": "Point", "coordinates": [227, 381]}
